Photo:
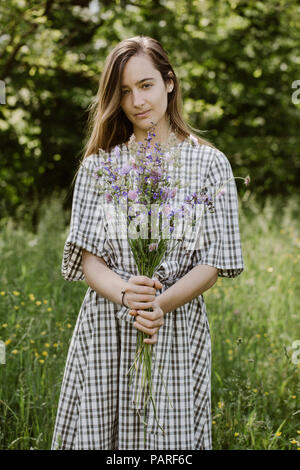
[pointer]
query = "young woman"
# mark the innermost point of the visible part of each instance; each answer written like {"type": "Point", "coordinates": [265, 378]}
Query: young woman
{"type": "Point", "coordinates": [138, 86]}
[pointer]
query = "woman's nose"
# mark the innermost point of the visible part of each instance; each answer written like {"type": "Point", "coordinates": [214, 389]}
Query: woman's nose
{"type": "Point", "coordinates": [137, 98]}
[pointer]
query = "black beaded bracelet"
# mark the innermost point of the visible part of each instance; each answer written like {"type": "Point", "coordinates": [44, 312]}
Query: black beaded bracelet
{"type": "Point", "coordinates": [123, 292]}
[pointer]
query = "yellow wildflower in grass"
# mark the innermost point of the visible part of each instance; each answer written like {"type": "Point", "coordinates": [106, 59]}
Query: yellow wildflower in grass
{"type": "Point", "coordinates": [2, 292]}
{"type": "Point", "coordinates": [16, 293]}
{"type": "Point", "coordinates": [49, 309]}
{"type": "Point", "coordinates": [298, 431]}
{"type": "Point", "coordinates": [265, 335]}
{"type": "Point", "coordinates": [220, 404]}
{"type": "Point", "coordinates": [41, 361]}
{"type": "Point", "coordinates": [45, 301]}
{"type": "Point", "coordinates": [294, 397]}
{"type": "Point", "coordinates": [236, 434]}
{"type": "Point", "coordinates": [14, 351]}
{"type": "Point", "coordinates": [38, 302]}
{"type": "Point", "coordinates": [254, 390]}
{"type": "Point", "coordinates": [69, 325]}
{"type": "Point", "coordinates": [47, 345]}
{"type": "Point", "coordinates": [266, 393]}
{"type": "Point", "coordinates": [7, 342]}
{"type": "Point", "coordinates": [36, 354]}
{"type": "Point", "coordinates": [213, 422]}
{"type": "Point", "coordinates": [55, 345]}
{"type": "Point", "coordinates": [18, 326]}
{"type": "Point", "coordinates": [4, 325]}
{"type": "Point", "coordinates": [258, 335]}
{"type": "Point", "coordinates": [31, 297]}
{"type": "Point", "coordinates": [227, 341]}
{"type": "Point", "coordinates": [43, 333]}
{"type": "Point", "coordinates": [278, 433]}
{"type": "Point", "coordinates": [293, 441]}
{"type": "Point", "coordinates": [17, 307]}
{"type": "Point", "coordinates": [230, 351]}
{"type": "Point", "coordinates": [22, 303]}
{"type": "Point", "coordinates": [32, 341]}
{"type": "Point", "coordinates": [44, 353]}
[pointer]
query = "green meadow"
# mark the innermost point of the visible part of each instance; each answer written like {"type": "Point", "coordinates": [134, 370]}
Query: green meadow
{"type": "Point", "coordinates": [254, 322]}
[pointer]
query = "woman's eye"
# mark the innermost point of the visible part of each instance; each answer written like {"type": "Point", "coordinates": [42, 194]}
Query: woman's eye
{"type": "Point", "coordinates": [124, 92]}
{"type": "Point", "coordinates": [147, 85]}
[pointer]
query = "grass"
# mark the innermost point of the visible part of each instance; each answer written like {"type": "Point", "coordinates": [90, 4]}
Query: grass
{"type": "Point", "coordinates": [254, 320]}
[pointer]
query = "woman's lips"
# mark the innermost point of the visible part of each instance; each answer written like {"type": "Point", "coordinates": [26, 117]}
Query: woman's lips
{"type": "Point", "coordinates": [142, 115]}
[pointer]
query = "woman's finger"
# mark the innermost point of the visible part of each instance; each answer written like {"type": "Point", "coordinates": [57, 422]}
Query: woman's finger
{"type": "Point", "coordinates": [148, 331]}
{"type": "Point", "coordinates": [158, 284]}
{"type": "Point", "coordinates": [140, 290]}
{"type": "Point", "coordinates": [151, 340]}
{"type": "Point", "coordinates": [139, 305]}
{"type": "Point", "coordinates": [142, 298]}
{"type": "Point", "coordinates": [133, 312]}
{"type": "Point", "coordinates": [151, 315]}
{"type": "Point", "coordinates": [142, 280]}
{"type": "Point", "coordinates": [149, 323]}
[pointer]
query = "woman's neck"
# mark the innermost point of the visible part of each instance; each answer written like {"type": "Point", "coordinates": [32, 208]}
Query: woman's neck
{"type": "Point", "coordinates": [161, 136]}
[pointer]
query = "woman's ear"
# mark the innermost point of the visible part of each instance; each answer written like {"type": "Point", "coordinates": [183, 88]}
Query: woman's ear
{"type": "Point", "coordinates": [170, 82]}
{"type": "Point", "coordinates": [170, 85]}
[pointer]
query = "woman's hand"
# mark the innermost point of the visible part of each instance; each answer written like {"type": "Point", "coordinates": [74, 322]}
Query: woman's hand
{"type": "Point", "coordinates": [149, 322]}
{"type": "Point", "coordinates": [140, 292]}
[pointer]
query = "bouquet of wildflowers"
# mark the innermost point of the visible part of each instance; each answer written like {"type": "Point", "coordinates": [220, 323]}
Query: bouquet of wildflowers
{"type": "Point", "coordinates": [144, 190]}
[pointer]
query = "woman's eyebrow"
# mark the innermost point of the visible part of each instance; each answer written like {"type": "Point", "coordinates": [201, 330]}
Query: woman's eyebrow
{"type": "Point", "coordinates": [140, 81]}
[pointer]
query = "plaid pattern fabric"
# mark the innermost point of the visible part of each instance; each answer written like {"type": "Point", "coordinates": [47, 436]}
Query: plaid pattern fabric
{"type": "Point", "coordinates": [95, 409]}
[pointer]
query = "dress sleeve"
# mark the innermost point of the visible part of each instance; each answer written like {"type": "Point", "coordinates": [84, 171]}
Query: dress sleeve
{"type": "Point", "coordinates": [220, 235]}
{"type": "Point", "coordinates": [87, 226]}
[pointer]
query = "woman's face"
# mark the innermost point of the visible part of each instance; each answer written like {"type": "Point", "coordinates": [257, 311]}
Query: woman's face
{"type": "Point", "coordinates": [144, 96]}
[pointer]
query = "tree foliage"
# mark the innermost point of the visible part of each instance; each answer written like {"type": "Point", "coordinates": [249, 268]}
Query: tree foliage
{"type": "Point", "coordinates": [236, 61]}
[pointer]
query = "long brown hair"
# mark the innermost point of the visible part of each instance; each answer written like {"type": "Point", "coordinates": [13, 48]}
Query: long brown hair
{"type": "Point", "coordinates": [107, 123]}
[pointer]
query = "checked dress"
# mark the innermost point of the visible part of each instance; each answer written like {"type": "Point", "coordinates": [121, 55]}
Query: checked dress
{"type": "Point", "coordinates": [95, 409]}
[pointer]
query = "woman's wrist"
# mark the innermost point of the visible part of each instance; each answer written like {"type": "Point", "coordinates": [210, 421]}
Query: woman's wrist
{"type": "Point", "coordinates": [123, 303]}
{"type": "Point", "coordinates": [159, 303]}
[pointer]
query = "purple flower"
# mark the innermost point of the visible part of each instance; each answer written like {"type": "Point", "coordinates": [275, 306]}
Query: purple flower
{"type": "Point", "coordinates": [117, 152]}
{"type": "Point", "coordinates": [108, 197]}
{"type": "Point", "coordinates": [220, 193]}
{"type": "Point", "coordinates": [247, 180]}
{"type": "Point", "coordinates": [153, 246]}
{"type": "Point", "coordinates": [172, 193]}
{"type": "Point", "coordinates": [125, 169]}
{"type": "Point", "coordinates": [132, 163]}
{"type": "Point", "coordinates": [167, 210]}
{"type": "Point", "coordinates": [132, 195]}
{"type": "Point", "coordinates": [156, 172]}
